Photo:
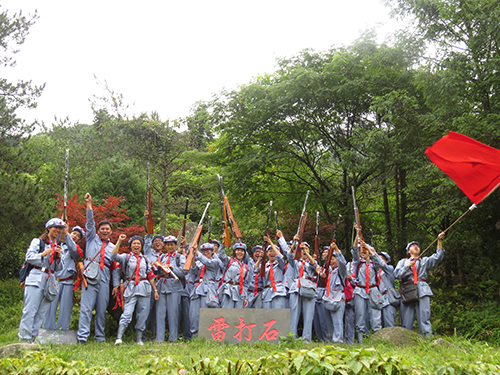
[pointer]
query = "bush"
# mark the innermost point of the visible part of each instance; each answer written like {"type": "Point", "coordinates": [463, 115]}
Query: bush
{"type": "Point", "coordinates": [472, 312]}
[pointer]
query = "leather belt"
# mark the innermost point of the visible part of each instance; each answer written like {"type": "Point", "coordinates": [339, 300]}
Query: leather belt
{"type": "Point", "coordinates": [364, 286]}
{"type": "Point", "coordinates": [270, 285]}
{"type": "Point", "coordinates": [410, 281]}
{"type": "Point", "coordinates": [66, 278]}
{"type": "Point", "coordinates": [92, 259]}
{"type": "Point", "coordinates": [43, 269]}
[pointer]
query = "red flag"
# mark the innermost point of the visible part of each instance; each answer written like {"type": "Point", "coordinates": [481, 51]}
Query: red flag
{"type": "Point", "coordinates": [474, 166]}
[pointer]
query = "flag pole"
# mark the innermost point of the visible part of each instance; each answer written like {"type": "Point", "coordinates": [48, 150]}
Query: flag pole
{"type": "Point", "coordinates": [447, 229]}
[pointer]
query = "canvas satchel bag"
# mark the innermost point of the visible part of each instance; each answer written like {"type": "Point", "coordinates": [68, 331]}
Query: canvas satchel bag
{"type": "Point", "coordinates": [409, 291]}
{"type": "Point", "coordinates": [92, 273]}
{"type": "Point", "coordinates": [376, 299]}
{"type": "Point", "coordinates": [307, 288]}
{"type": "Point", "coordinates": [51, 288]}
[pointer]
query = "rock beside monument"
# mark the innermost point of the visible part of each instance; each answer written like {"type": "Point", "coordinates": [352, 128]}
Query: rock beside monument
{"type": "Point", "coordinates": [397, 336]}
{"type": "Point", "coordinates": [17, 350]}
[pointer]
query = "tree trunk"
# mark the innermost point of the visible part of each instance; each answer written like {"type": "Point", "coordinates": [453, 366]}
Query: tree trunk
{"type": "Point", "coordinates": [388, 231]}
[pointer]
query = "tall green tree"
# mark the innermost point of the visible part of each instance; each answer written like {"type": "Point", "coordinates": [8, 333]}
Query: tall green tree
{"type": "Point", "coordinates": [22, 210]}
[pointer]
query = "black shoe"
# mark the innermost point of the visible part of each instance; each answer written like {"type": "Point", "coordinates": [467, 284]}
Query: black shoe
{"type": "Point", "coordinates": [82, 342]}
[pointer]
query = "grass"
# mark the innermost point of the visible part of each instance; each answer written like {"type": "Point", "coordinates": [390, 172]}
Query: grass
{"type": "Point", "coordinates": [455, 355]}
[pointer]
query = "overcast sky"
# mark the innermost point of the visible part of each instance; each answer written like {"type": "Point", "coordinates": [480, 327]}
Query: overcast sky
{"type": "Point", "coordinates": [165, 55]}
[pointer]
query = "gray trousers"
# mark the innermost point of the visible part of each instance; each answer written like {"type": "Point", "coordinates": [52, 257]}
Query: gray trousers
{"type": "Point", "coordinates": [423, 309]}
{"type": "Point", "coordinates": [35, 309]}
{"type": "Point", "coordinates": [389, 316]}
{"type": "Point", "coordinates": [194, 313]}
{"type": "Point", "coordinates": [65, 302]}
{"type": "Point", "coordinates": [349, 324]}
{"type": "Point", "coordinates": [169, 304]}
{"type": "Point", "coordinates": [94, 296]}
{"type": "Point", "coordinates": [363, 312]}
{"type": "Point", "coordinates": [278, 302]}
{"type": "Point", "coordinates": [141, 306]}
{"type": "Point", "coordinates": [306, 306]}
{"type": "Point", "coordinates": [229, 303]}
{"type": "Point", "coordinates": [337, 318]}
{"type": "Point", "coordinates": [322, 322]}
{"type": "Point", "coordinates": [186, 324]}
{"type": "Point", "coordinates": [151, 320]}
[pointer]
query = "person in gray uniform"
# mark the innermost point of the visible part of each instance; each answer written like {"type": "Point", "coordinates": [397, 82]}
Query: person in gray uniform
{"type": "Point", "coordinates": [334, 297]}
{"type": "Point", "coordinates": [289, 276]}
{"type": "Point", "coordinates": [185, 294]}
{"type": "Point", "coordinates": [255, 287]}
{"type": "Point", "coordinates": [44, 254]}
{"type": "Point", "coordinates": [170, 286]}
{"type": "Point", "coordinates": [274, 293]}
{"type": "Point", "coordinates": [153, 249]}
{"type": "Point", "coordinates": [415, 270]}
{"type": "Point", "coordinates": [349, 313]}
{"type": "Point", "coordinates": [139, 280]}
{"type": "Point", "coordinates": [322, 322]}
{"type": "Point", "coordinates": [302, 300]}
{"type": "Point", "coordinates": [365, 280]}
{"type": "Point", "coordinates": [65, 298]}
{"type": "Point", "coordinates": [236, 279]}
{"type": "Point", "coordinates": [388, 288]}
{"type": "Point", "coordinates": [98, 265]}
{"type": "Point", "coordinates": [204, 270]}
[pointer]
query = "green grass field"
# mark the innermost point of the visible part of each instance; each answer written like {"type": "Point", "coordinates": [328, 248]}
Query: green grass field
{"type": "Point", "coordinates": [456, 356]}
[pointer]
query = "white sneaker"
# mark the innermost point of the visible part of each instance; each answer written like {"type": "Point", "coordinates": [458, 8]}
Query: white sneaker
{"type": "Point", "coordinates": [140, 343]}
{"type": "Point", "coordinates": [118, 341]}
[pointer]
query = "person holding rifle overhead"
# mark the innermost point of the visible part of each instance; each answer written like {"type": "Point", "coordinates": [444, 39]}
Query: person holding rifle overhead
{"type": "Point", "coordinates": [98, 265]}
{"type": "Point", "coordinates": [387, 285]}
{"type": "Point", "coordinates": [255, 286]}
{"type": "Point", "coordinates": [170, 286]}
{"type": "Point", "coordinates": [415, 270]}
{"type": "Point", "coordinates": [274, 293]}
{"type": "Point", "coordinates": [234, 284]}
{"type": "Point", "coordinates": [335, 278]}
{"type": "Point", "coordinates": [365, 276]}
{"type": "Point", "coordinates": [205, 269]}
{"type": "Point", "coordinates": [139, 280]}
{"type": "Point", "coordinates": [322, 321]}
{"type": "Point", "coordinates": [303, 289]}
{"type": "Point", "coordinates": [44, 254]}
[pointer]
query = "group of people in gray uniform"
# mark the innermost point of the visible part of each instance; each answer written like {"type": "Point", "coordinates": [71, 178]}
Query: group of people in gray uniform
{"type": "Point", "coordinates": [340, 303]}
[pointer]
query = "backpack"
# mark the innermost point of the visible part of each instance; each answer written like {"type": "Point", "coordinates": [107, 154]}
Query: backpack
{"type": "Point", "coordinates": [27, 267]}
{"type": "Point", "coordinates": [348, 292]}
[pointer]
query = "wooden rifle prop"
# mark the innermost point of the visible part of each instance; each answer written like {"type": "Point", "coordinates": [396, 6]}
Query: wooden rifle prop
{"type": "Point", "coordinates": [65, 202]}
{"type": "Point", "coordinates": [300, 230]}
{"type": "Point", "coordinates": [209, 234]}
{"type": "Point", "coordinates": [183, 232]}
{"type": "Point", "coordinates": [165, 269]}
{"type": "Point", "coordinates": [79, 270]}
{"type": "Point", "coordinates": [334, 240]}
{"type": "Point", "coordinates": [194, 241]}
{"type": "Point", "coordinates": [263, 260]}
{"type": "Point", "coordinates": [234, 225]}
{"type": "Point", "coordinates": [122, 297]}
{"type": "Point", "coordinates": [149, 218]}
{"type": "Point", "coordinates": [356, 214]}
{"type": "Point", "coordinates": [316, 237]}
{"type": "Point", "coordinates": [277, 229]}
{"type": "Point", "coordinates": [225, 228]}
